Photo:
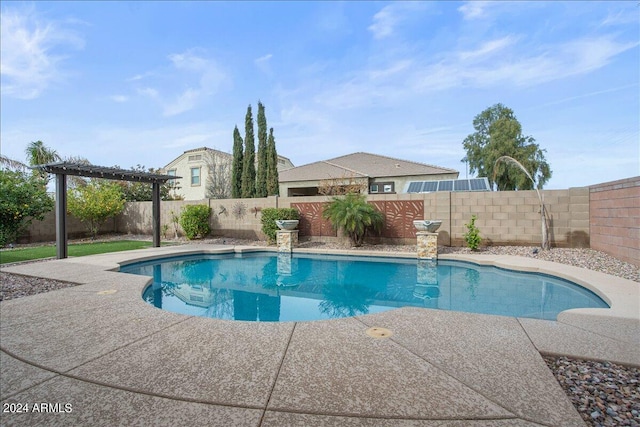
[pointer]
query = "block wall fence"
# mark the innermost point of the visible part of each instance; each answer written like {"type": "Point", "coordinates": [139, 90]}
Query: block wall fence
{"type": "Point", "coordinates": [614, 218]}
{"type": "Point", "coordinates": [604, 216]}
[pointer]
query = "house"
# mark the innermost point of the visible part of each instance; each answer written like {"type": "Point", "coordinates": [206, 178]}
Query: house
{"type": "Point", "coordinates": [202, 167]}
{"type": "Point", "coordinates": [364, 172]}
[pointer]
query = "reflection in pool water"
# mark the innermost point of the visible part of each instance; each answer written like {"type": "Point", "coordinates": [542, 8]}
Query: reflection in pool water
{"type": "Point", "coordinates": [284, 287]}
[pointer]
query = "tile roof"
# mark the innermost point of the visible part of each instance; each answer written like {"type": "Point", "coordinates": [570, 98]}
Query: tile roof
{"type": "Point", "coordinates": [360, 165]}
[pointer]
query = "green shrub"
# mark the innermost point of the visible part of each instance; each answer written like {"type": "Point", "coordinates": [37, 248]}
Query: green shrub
{"type": "Point", "coordinates": [23, 198]}
{"type": "Point", "coordinates": [269, 217]}
{"type": "Point", "coordinates": [195, 221]}
{"type": "Point", "coordinates": [472, 236]}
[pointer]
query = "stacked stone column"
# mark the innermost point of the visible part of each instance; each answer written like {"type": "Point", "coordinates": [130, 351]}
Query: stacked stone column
{"type": "Point", "coordinates": [427, 245]}
{"type": "Point", "coordinates": [286, 240]}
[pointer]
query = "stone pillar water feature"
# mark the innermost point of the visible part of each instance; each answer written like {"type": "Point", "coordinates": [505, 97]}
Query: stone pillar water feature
{"type": "Point", "coordinates": [427, 288]}
{"type": "Point", "coordinates": [286, 240]}
{"type": "Point", "coordinates": [427, 245]}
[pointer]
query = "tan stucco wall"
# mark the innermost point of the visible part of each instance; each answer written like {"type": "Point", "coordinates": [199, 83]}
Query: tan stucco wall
{"type": "Point", "coordinates": [45, 230]}
{"type": "Point", "coordinates": [614, 211]}
{"type": "Point", "coordinates": [505, 217]}
{"type": "Point", "coordinates": [229, 217]}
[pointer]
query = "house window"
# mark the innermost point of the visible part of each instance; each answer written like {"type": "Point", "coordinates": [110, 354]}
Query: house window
{"type": "Point", "coordinates": [171, 182]}
{"type": "Point", "coordinates": [382, 187]}
{"type": "Point", "coordinates": [195, 158]}
{"type": "Point", "coordinates": [195, 176]}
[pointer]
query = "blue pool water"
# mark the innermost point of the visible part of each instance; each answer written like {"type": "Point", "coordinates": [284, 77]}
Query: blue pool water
{"type": "Point", "coordinates": [275, 287]}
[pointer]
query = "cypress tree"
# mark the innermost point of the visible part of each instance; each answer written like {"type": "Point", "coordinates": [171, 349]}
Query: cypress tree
{"type": "Point", "coordinates": [248, 162]}
{"type": "Point", "coordinates": [236, 168]}
{"type": "Point", "coordinates": [273, 189]}
{"type": "Point", "coordinates": [261, 179]}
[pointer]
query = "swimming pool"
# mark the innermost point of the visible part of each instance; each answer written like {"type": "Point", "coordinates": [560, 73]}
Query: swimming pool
{"type": "Point", "coordinates": [272, 287]}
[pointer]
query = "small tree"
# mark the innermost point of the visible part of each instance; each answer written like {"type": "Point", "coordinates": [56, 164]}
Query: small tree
{"type": "Point", "coordinates": [23, 198]}
{"type": "Point", "coordinates": [134, 191]}
{"type": "Point", "coordinates": [341, 186]}
{"type": "Point", "coordinates": [236, 167]}
{"type": "Point", "coordinates": [218, 182]}
{"type": "Point", "coordinates": [195, 221]}
{"type": "Point", "coordinates": [354, 215]}
{"type": "Point", "coordinates": [95, 202]}
{"type": "Point", "coordinates": [472, 236]}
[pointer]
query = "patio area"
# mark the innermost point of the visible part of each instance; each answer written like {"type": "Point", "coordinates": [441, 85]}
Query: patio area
{"type": "Point", "coordinates": [100, 350]}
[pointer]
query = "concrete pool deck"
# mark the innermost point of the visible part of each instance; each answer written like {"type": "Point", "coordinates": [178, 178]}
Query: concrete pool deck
{"type": "Point", "coordinates": [116, 360]}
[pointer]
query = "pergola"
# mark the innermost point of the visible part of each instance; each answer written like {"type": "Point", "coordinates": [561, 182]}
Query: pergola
{"type": "Point", "coordinates": [62, 169]}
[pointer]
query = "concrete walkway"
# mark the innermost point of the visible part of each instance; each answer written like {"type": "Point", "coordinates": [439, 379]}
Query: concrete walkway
{"type": "Point", "coordinates": [97, 354]}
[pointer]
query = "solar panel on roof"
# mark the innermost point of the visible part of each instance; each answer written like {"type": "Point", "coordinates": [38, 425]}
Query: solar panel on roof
{"type": "Point", "coordinates": [430, 186]}
{"type": "Point", "coordinates": [479, 184]}
{"type": "Point", "coordinates": [461, 185]}
{"type": "Point", "coordinates": [474, 184]}
{"type": "Point", "coordinates": [415, 187]}
{"type": "Point", "coordinates": [445, 186]}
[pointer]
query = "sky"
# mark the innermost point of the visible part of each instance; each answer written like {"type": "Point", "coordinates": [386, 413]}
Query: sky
{"type": "Point", "coordinates": [138, 83]}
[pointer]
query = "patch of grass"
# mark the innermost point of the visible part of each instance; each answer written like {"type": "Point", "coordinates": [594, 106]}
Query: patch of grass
{"type": "Point", "coordinates": [80, 249]}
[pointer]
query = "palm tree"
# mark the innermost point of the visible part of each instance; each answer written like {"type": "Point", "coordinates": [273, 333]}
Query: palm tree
{"type": "Point", "coordinates": [39, 154]}
{"type": "Point", "coordinates": [354, 215]}
{"type": "Point", "coordinates": [12, 164]}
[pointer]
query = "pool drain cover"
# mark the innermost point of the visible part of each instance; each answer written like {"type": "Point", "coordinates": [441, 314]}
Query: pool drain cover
{"type": "Point", "coordinates": [107, 292]}
{"type": "Point", "coordinates": [377, 332]}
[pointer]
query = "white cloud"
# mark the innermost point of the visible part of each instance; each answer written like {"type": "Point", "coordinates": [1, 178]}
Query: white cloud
{"type": "Point", "coordinates": [389, 17]}
{"type": "Point", "coordinates": [304, 119]}
{"type": "Point", "coordinates": [198, 78]}
{"type": "Point", "coordinates": [622, 17]}
{"type": "Point", "coordinates": [573, 58]}
{"type": "Point", "coordinates": [507, 61]}
{"type": "Point", "coordinates": [33, 51]}
{"type": "Point", "coordinates": [149, 92]}
{"type": "Point", "coordinates": [263, 63]}
{"type": "Point", "coordinates": [391, 70]}
{"type": "Point", "coordinates": [383, 23]}
{"type": "Point", "coordinates": [588, 95]}
{"type": "Point", "coordinates": [488, 48]}
{"type": "Point", "coordinates": [474, 9]}
{"type": "Point", "coordinates": [119, 98]}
